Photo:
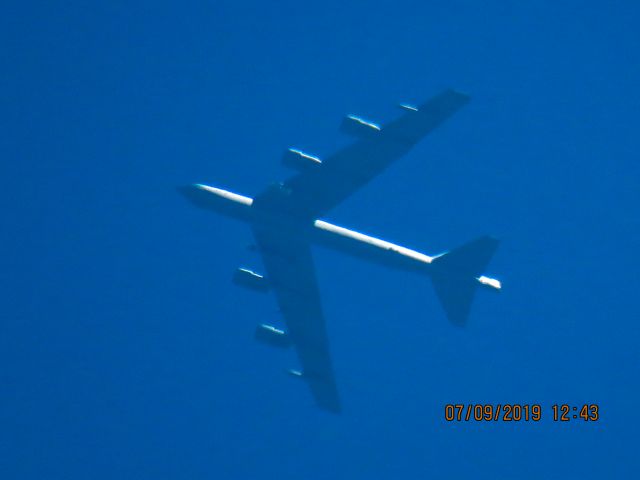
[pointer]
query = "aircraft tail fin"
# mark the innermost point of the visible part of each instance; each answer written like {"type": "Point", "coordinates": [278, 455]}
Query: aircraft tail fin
{"type": "Point", "coordinates": [457, 274]}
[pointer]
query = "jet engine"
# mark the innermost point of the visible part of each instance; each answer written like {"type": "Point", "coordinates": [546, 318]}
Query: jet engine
{"type": "Point", "coordinates": [408, 108]}
{"type": "Point", "coordinates": [359, 127]}
{"type": "Point", "coordinates": [251, 280]}
{"type": "Point", "coordinates": [490, 283]}
{"type": "Point", "coordinates": [272, 336]}
{"type": "Point", "coordinates": [299, 160]}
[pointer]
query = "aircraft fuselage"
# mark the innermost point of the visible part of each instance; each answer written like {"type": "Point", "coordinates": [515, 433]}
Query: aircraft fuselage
{"type": "Point", "coordinates": [320, 232]}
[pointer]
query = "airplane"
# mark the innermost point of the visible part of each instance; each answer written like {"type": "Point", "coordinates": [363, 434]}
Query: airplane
{"type": "Point", "coordinates": [285, 222]}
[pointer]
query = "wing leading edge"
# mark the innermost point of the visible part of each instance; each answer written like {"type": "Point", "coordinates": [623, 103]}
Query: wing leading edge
{"type": "Point", "coordinates": [292, 277]}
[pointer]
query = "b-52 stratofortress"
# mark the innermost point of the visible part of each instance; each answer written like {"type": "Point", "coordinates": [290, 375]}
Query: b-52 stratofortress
{"type": "Point", "coordinates": [285, 222]}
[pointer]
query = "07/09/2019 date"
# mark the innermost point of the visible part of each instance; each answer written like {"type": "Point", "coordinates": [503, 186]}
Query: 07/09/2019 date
{"type": "Point", "coordinates": [516, 412]}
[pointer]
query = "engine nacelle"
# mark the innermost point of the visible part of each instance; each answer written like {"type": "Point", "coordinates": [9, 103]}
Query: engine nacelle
{"type": "Point", "coordinates": [490, 283]}
{"type": "Point", "coordinates": [249, 279]}
{"type": "Point", "coordinates": [299, 160]}
{"type": "Point", "coordinates": [304, 375]}
{"type": "Point", "coordinates": [272, 336]}
{"type": "Point", "coordinates": [407, 107]}
{"type": "Point", "coordinates": [359, 127]}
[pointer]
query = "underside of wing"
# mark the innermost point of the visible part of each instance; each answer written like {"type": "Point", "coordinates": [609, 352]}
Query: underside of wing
{"type": "Point", "coordinates": [317, 190]}
{"type": "Point", "coordinates": [291, 274]}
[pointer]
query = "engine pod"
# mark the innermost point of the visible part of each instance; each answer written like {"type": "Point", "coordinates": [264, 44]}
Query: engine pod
{"type": "Point", "coordinates": [359, 127]}
{"type": "Point", "coordinates": [272, 336]}
{"type": "Point", "coordinates": [249, 279]}
{"type": "Point", "coordinates": [299, 160]}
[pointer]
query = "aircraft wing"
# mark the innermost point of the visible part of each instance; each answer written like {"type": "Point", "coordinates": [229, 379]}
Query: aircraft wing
{"type": "Point", "coordinates": [289, 267]}
{"type": "Point", "coordinates": [315, 191]}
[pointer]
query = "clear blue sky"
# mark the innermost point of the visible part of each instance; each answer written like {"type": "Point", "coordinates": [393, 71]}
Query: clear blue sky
{"type": "Point", "coordinates": [126, 352]}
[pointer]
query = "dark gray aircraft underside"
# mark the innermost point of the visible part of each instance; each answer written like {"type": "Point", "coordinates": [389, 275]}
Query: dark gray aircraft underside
{"type": "Point", "coordinates": [285, 222]}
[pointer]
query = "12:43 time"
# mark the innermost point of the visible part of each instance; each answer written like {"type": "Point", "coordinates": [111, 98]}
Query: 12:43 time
{"type": "Point", "coordinates": [565, 412]}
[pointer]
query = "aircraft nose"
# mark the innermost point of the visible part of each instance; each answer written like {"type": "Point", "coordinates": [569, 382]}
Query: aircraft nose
{"type": "Point", "coordinates": [185, 189]}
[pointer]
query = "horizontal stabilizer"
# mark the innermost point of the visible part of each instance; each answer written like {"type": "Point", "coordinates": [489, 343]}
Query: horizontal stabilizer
{"type": "Point", "coordinates": [456, 276]}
